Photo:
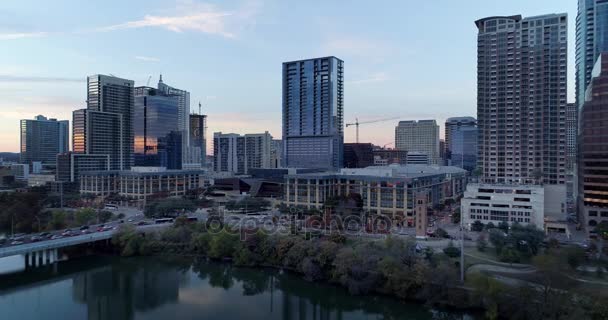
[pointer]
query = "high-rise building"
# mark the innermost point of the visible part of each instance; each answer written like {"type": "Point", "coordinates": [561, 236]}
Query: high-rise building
{"type": "Point", "coordinates": [198, 138]}
{"type": "Point", "coordinates": [358, 155]}
{"type": "Point", "coordinates": [106, 126]}
{"type": "Point", "coordinates": [593, 149]}
{"type": "Point", "coordinates": [420, 136]}
{"type": "Point", "coordinates": [461, 142]}
{"type": "Point", "coordinates": [157, 141]}
{"type": "Point", "coordinates": [183, 106]}
{"type": "Point", "coordinates": [42, 139]}
{"type": "Point", "coordinates": [591, 40]}
{"type": "Point", "coordinates": [521, 98]}
{"type": "Point", "coordinates": [276, 153]}
{"type": "Point", "coordinates": [70, 165]}
{"type": "Point", "coordinates": [571, 135]}
{"type": "Point", "coordinates": [238, 153]}
{"type": "Point", "coordinates": [313, 113]}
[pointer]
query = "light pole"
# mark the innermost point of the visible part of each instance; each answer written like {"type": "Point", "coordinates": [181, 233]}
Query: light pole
{"type": "Point", "coordinates": [461, 248]}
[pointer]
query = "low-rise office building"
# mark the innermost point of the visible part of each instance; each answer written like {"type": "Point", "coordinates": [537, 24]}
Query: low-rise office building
{"type": "Point", "coordinates": [140, 183]}
{"type": "Point", "coordinates": [388, 190]}
{"type": "Point", "coordinates": [498, 203]}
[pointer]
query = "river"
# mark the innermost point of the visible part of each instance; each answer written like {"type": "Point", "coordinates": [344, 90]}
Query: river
{"type": "Point", "coordinates": [153, 289]}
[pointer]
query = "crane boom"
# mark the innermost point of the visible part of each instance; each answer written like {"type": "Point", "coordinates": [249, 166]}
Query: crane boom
{"type": "Point", "coordinates": [357, 123]}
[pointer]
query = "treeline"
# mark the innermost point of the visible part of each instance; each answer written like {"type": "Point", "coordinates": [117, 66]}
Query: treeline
{"type": "Point", "coordinates": [393, 267]}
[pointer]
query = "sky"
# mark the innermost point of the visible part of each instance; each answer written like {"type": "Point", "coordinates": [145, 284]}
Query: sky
{"type": "Point", "coordinates": [403, 59]}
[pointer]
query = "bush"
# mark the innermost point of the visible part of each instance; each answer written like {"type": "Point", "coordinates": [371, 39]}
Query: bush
{"type": "Point", "coordinates": [509, 255]}
{"type": "Point", "coordinates": [482, 244]}
{"type": "Point", "coordinates": [477, 226]}
{"type": "Point", "coordinates": [490, 226]}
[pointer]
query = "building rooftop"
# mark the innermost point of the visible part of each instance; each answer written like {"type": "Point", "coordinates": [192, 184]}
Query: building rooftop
{"type": "Point", "coordinates": [391, 171]}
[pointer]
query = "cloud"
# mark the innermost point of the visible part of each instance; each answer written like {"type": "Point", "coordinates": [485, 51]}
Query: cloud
{"type": "Point", "coordinates": [13, 78]}
{"type": "Point", "coordinates": [145, 58]}
{"type": "Point", "coordinates": [21, 35]}
{"type": "Point", "coordinates": [205, 18]}
{"type": "Point", "coordinates": [376, 77]}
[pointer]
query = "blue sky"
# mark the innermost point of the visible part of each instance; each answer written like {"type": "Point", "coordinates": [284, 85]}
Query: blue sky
{"type": "Point", "coordinates": [409, 59]}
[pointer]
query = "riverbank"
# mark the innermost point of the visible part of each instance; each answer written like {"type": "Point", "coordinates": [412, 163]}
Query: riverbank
{"type": "Point", "coordinates": [392, 267]}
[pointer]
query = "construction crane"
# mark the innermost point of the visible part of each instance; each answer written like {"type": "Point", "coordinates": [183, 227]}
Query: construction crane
{"type": "Point", "coordinates": [357, 123]}
{"type": "Point", "coordinates": [148, 83]}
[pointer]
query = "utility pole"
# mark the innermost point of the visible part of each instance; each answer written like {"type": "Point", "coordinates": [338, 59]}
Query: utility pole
{"type": "Point", "coordinates": [461, 249]}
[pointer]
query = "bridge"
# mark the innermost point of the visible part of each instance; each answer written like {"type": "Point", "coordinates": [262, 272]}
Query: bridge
{"type": "Point", "coordinates": [46, 252]}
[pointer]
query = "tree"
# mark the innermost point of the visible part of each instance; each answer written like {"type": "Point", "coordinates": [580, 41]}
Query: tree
{"type": "Point", "coordinates": [575, 256]}
{"type": "Point", "coordinates": [498, 239]}
{"type": "Point", "coordinates": [490, 226]}
{"type": "Point", "coordinates": [451, 251]}
{"type": "Point", "coordinates": [504, 226]}
{"type": "Point", "coordinates": [477, 226]}
{"type": "Point", "coordinates": [509, 255]}
{"type": "Point", "coordinates": [84, 216]}
{"type": "Point", "coordinates": [105, 216]}
{"type": "Point", "coordinates": [169, 207]}
{"type": "Point", "coordinates": [58, 220]}
{"type": "Point", "coordinates": [482, 244]}
{"type": "Point", "coordinates": [602, 229]}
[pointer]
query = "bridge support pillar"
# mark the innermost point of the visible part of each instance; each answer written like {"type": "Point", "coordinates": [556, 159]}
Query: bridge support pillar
{"type": "Point", "coordinates": [44, 257]}
{"type": "Point", "coordinates": [30, 259]}
{"type": "Point", "coordinates": [36, 258]}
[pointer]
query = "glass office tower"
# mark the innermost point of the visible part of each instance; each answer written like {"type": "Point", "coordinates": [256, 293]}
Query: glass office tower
{"type": "Point", "coordinates": [42, 139]}
{"type": "Point", "coordinates": [461, 142]}
{"type": "Point", "coordinates": [591, 40]}
{"type": "Point", "coordinates": [157, 141]}
{"type": "Point", "coordinates": [313, 111]}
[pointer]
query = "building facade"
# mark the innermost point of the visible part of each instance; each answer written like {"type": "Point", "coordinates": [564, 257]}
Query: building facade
{"type": "Point", "coordinates": [591, 40]}
{"type": "Point", "coordinates": [276, 153]}
{"type": "Point", "coordinates": [358, 155]}
{"type": "Point", "coordinates": [593, 149]}
{"type": "Point", "coordinates": [106, 126]}
{"type": "Point", "coordinates": [389, 156]}
{"type": "Point", "coordinates": [42, 139]}
{"type": "Point", "coordinates": [183, 106]}
{"type": "Point", "coordinates": [521, 98]}
{"type": "Point", "coordinates": [70, 165]}
{"type": "Point", "coordinates": [388, 190]}
{"type": "Point", "coordinates": [313, 113]}
{"type": "Point", "coordinates": [418, 136]}
{"type": "Point", "coordinates": [571, 136]}
{"type": "Point", "coordinates": [198, 139]}
{"type": "Point", "coordinates": [157, 140]}
{"type": "Point", "coordinates": [141, 183]}
{"type": "Point", "coordinates": [461, 142]}
{"type": "Point", "coordinates": [238, 153]}
{"type": "Point", "coordinates": [498, 203]}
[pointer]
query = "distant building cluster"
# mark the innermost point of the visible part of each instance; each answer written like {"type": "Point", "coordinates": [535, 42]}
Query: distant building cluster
{"type": "Point", "coordinates": [534, 158]}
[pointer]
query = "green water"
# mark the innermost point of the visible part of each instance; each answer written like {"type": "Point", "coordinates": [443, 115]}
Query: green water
{"type": "Point", "coordinates": [155, 289]}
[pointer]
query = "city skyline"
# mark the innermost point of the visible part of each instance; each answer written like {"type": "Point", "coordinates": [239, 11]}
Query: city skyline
{"type": "Point", "coordinates": [400, 69]}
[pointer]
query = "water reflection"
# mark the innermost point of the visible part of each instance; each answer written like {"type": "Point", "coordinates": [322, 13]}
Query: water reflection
{"type": "Point", "coordinates": [154, 289]}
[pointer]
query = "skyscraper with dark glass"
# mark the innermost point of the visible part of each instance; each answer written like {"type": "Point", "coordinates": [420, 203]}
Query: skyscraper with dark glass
{"type": "Point", "coordinates": [461, 142]}
{"type": "Point", "coordinates": [183, 110]}
{"type": "Point", "coordinates": [157, 140]}
{"type": "Point", "coordinates": [313, 111]}
{"type": "Point", "coordinates": [521, 98]}
{"type": "Point", "coordinates": [105, 126]}
{"type": "Point", "coordinates": [593, 149]}
{"type": "Point", "coordinates": [42, 139]}
{"type": "Point", "coordinates": [591, 40]}
{"type": "Point", "coordinates": [198, 138]}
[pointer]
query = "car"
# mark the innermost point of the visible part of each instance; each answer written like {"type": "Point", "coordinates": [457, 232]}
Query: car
{"type": "Point", "coordinates": [100, 228]}
{"type": "Point", "coordinates": [142, 223]}
{"type": "Point", "coordinates": [84, 228]}
{"type": "Point", "coordinates": [45, 235]}
{"type": "Point", "coordinates": [67, 233]}
{"type": "Point", "coordinates": [16, 242]}
{"type": "Point", "coordinates": [17, 236]}
{"type": "Point", "coordinates": [130, 220]}
{"type": "Point", "coordinates": [56, 236]}
{"type": "Point", "coordinates": [36, 238]}
{"type": "Point", "coordinates": [106, 228]}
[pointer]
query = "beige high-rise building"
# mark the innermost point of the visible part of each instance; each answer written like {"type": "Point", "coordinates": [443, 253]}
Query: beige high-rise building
{"type": "Point", "coordinates": [420, 136]}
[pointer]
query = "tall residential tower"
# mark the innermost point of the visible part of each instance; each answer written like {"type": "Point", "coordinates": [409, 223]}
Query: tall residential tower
{"type": "Point", "coordinates": [521, 98]}
{"type": "Point", "coordinates": [313, 113]}
{"type": "Point", "coordinates": [42, 139]}
{"type": "Point", "coordinates": [419, 138]}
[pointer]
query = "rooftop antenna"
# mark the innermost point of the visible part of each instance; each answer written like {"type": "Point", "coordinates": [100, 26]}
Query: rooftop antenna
{"type": "Point", "coordinates": [199, 108]}
{"type": "Point", "coordinates": [161, 78]}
